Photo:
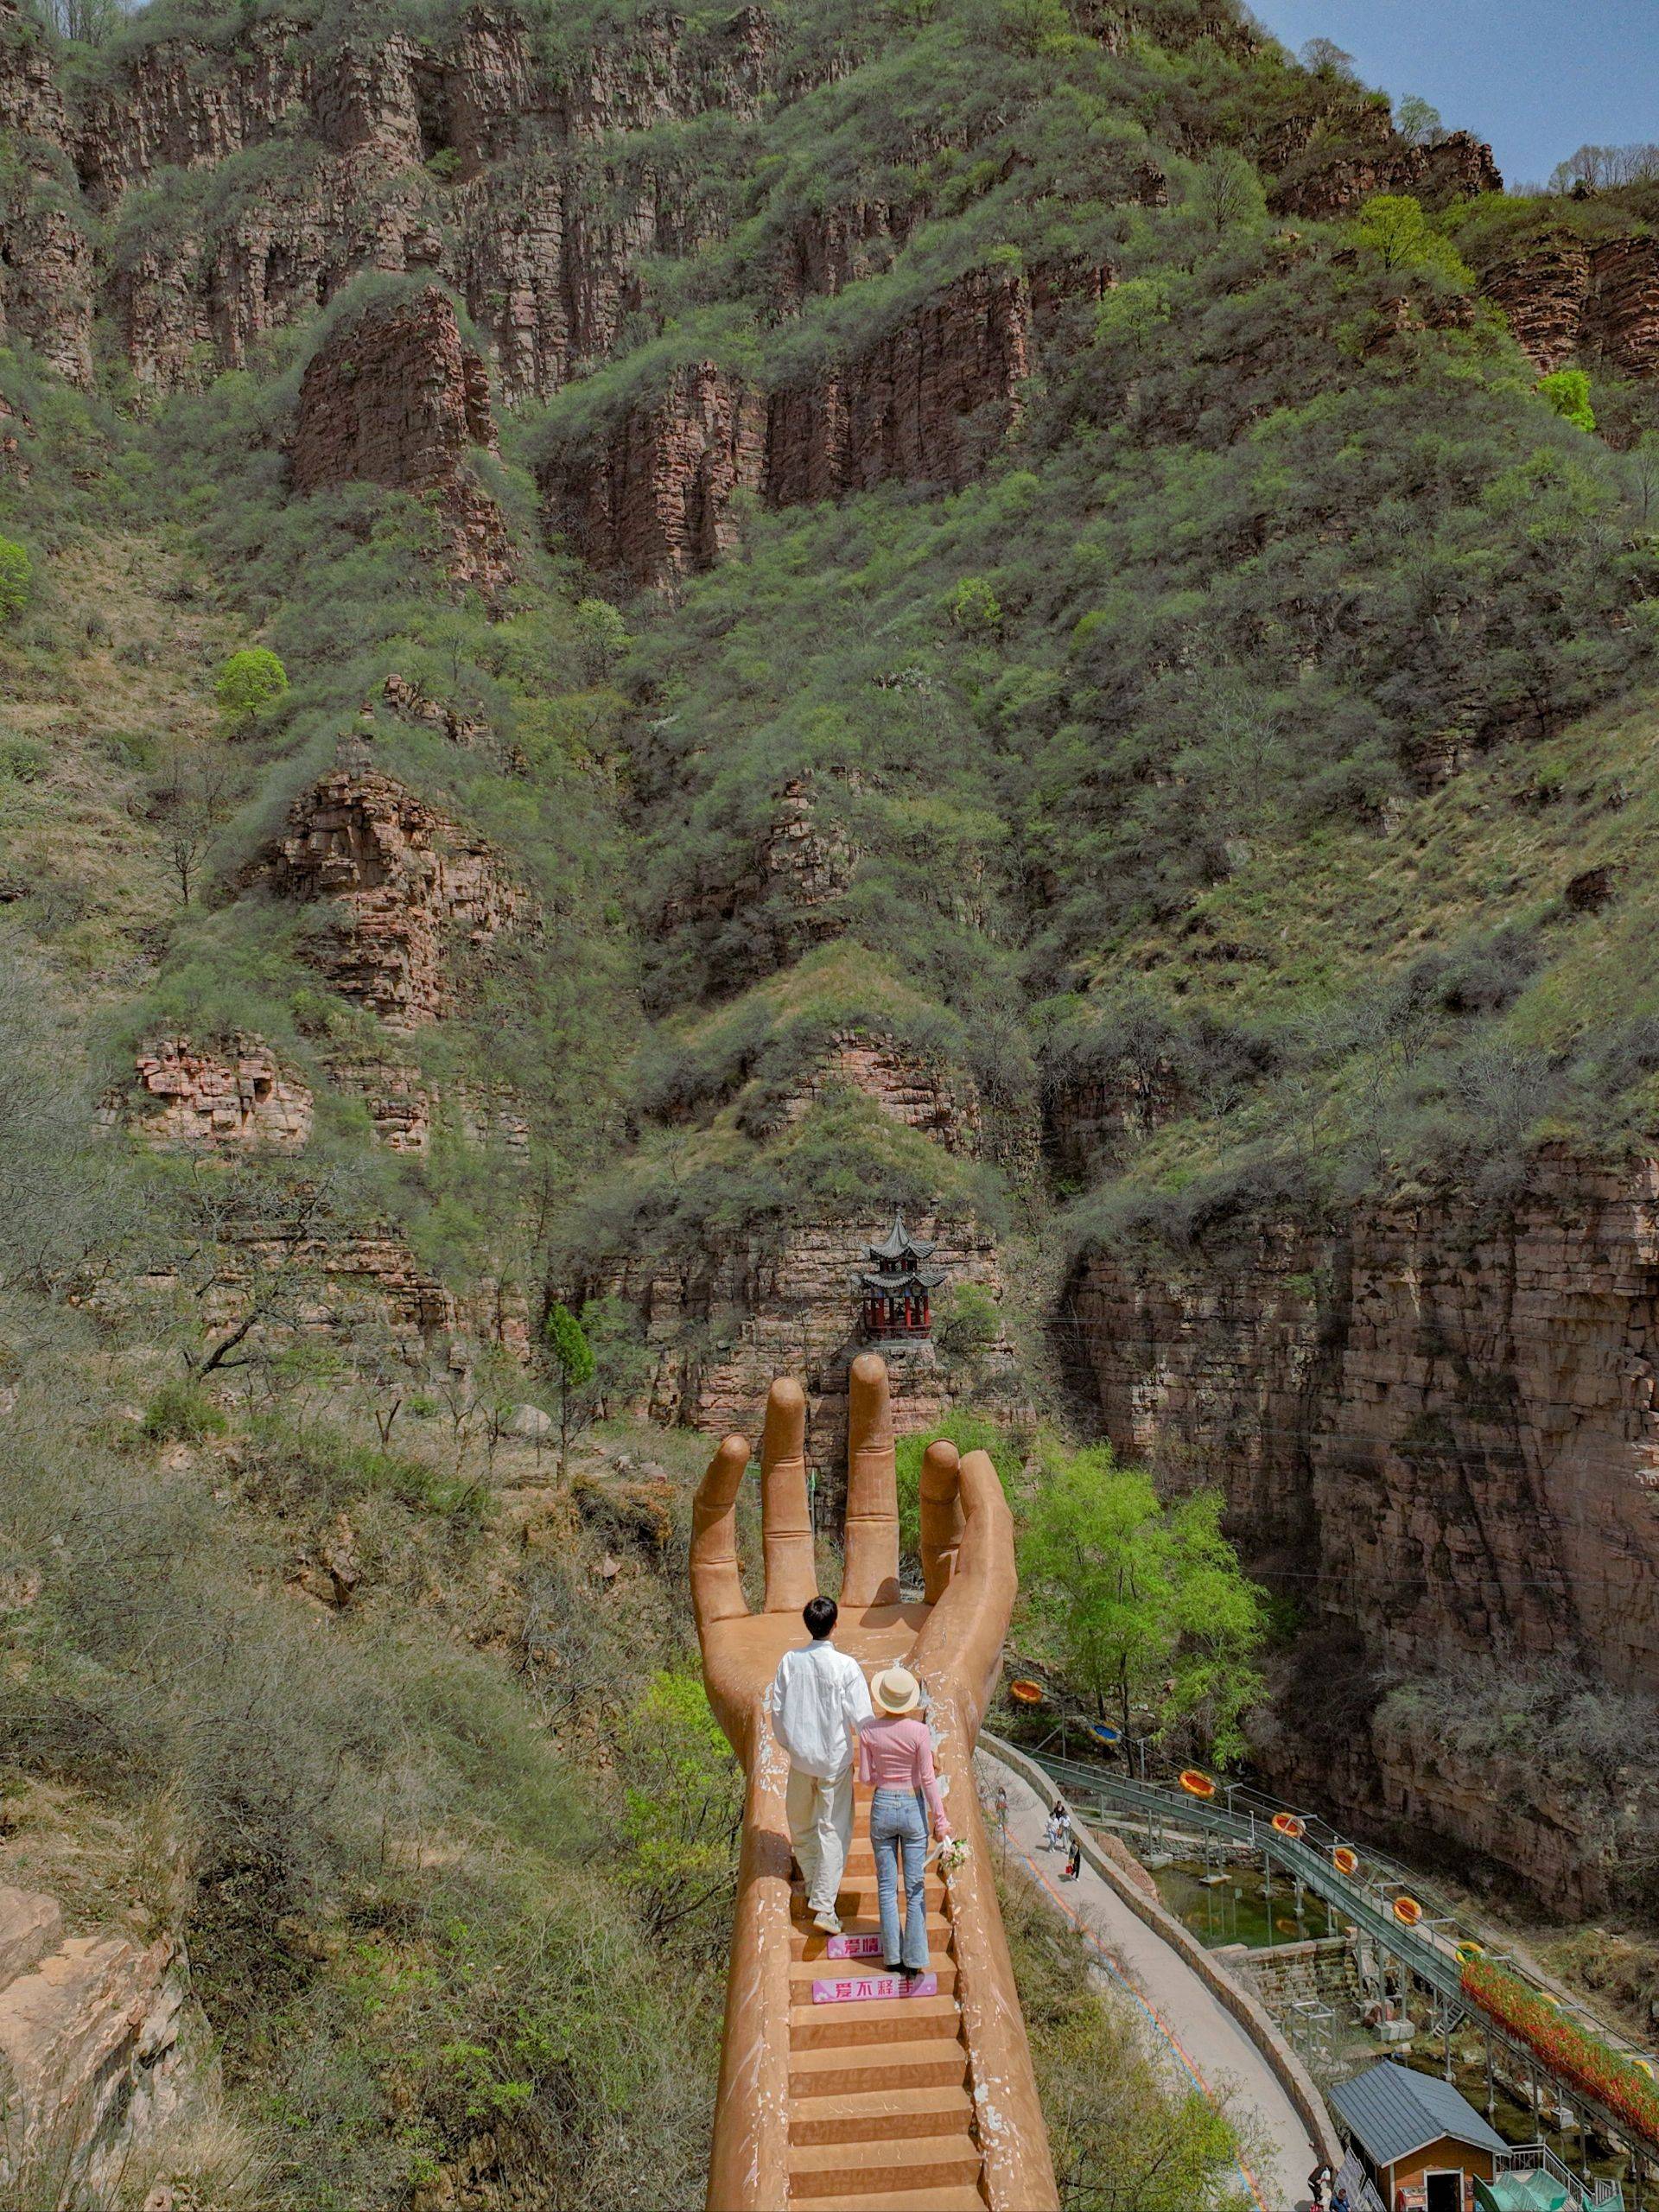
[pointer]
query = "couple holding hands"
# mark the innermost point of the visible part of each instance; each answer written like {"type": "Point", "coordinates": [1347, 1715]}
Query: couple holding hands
{"type": "Point", "coordinates": [821, 1708]}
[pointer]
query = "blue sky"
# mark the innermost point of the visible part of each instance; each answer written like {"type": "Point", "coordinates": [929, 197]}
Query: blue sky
{"type": "Point", "coordinates": [1535, 78]}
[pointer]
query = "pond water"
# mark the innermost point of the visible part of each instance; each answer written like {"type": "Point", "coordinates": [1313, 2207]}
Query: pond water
{"type": "Point", "coordinates": [1242, 1907]}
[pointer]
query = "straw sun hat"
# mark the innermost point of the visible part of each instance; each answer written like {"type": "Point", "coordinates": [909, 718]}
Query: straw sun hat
{"type": "Point", "coordinates": [895, 1690]}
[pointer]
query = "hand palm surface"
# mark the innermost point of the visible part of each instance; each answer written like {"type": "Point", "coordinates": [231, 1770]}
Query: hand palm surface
{"type": "Point", "coordinates": [952, 1639]}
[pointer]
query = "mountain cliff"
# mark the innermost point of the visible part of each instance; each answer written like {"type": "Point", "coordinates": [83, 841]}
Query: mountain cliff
{"type": "Point", "coordinates": [998, 610]}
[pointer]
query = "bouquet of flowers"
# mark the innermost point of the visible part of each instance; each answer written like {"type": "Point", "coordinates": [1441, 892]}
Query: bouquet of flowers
{"type": "Point", "coordinates": [953, 1853]}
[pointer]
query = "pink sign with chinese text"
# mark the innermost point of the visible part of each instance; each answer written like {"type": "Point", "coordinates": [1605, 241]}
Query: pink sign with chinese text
{"type": "Point", "coordinates": [865, 1988]}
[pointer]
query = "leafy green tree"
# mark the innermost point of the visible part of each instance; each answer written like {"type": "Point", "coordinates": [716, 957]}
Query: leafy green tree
{"type": "Point", "coordinates": [968, 1323]}
{"type": "Point", "coordinates": [1226, 191]}
{"type": "Point", "coordinates": [972, 605]}
{"type": "Point", "coordinates": [250, 682]}
{"type": "Point", "coordinates": [682, 1802]}
{"type": "Point", "coordinates": [1393, 228]}
{"type": "Point", "coordinates": [1417, 121]}
{"type": "Point", "coordinates": [1567, 392]}
{"type": "Point", "coordinates": [574, 1367]}
{"type": "Point", "coordinates": [17, 578]}
{"type": "Point", "coordinates": [968, 1434]}
{"type": "Point", "coordinates": [605, 636]}
{"type": "Point", "coordinates": [1144, 1604]}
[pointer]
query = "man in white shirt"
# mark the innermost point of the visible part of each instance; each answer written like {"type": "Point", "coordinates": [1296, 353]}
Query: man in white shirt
{"type": "Point", "coordinates": [818, 1698]}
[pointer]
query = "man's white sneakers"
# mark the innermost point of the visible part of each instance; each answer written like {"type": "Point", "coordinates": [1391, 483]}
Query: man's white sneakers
{"type": "Point", "coordinates": [829, 1922]}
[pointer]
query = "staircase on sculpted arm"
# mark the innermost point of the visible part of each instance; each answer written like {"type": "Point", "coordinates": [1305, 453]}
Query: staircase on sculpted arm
{"type": "Point", "coordinates": [890, 2104]}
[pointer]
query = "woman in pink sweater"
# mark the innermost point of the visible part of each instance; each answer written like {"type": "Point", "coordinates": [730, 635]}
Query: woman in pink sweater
{"type": "Point", "coordinates": [895, 1754]}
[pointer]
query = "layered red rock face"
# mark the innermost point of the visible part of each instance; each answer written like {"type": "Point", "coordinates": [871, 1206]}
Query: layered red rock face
{"type": "Point", "coordinates": [723, 1327]}
{"type": "Point", "coordinates": [46, 256]}
{"type": "Point", "coordinates": [654, 499]}
{"type": "Point", "coordinates": [1565, 295]}
{"type": "Point", "coordinates": [333, 145]}
{"type": "Point", "coordinates": [397, 397]}
{"type": "Point", "coordinates": [409, 889]}
{"type": "Point", "coordinates": [236, 1096]}
{"type": "Point", "coordinates": [941, 1103]}
{"type": "Point", "coordinates": [785, 897]}
{"type": "Point", "coordinates": [927, 403]}
{"type": "Point", "coordinates": [1443, 1423]}
{"type": "Point", "coordinates": [101, 2046]}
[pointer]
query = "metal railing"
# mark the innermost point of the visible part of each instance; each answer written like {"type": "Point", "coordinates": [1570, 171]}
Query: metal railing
{"type": "Point", "coordinates": [1361, 2195]}
{"type": "Point", "coordinates": [1532, 2158]}
{"type": "Point", "coordinates": [1244, 1816]}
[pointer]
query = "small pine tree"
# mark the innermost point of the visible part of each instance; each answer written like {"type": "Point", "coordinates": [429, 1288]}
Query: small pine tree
{"type": "Point", "coordinates": [17, 578]}
{"type": "Point", "coordinates": [249, 681]}
{"type": "Point", "coordinates": [574, 1366]}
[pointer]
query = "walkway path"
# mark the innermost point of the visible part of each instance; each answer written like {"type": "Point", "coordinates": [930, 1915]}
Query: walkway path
{"type": "Point", "coordinates": [1194, 2028]}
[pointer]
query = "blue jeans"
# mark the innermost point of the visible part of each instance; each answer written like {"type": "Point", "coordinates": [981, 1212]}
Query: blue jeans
{"type": "Point", "coordinates": [898, 1824]}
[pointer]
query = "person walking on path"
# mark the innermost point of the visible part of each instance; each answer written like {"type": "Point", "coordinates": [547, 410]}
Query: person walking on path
{"type": "Point", "coordinates": [1074, 1860]}
{"type": "Point", "coordinates": [818, 1699]}
{"type": "Point", "coordinates": [895, 1757]}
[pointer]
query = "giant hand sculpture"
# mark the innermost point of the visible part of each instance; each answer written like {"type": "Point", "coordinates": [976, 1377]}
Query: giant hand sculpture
{"type": "Point", "coordinates": [953, 1641]}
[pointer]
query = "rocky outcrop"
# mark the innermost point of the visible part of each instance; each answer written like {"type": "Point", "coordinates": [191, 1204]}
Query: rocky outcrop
{"type": "Point", "coordinates": [405, 1111]}
{"type": "Point", "coordinates": [409, 890]}
{"type": "Point", "coordinates": [927, 405]}
{"type": "Point", "coordinates": [941, 1103]}
{"type": "Point", "coordinates": [396, 397]}
{"type": "Point", "coordinates": [774, 897]}
{"type": "Point", "coordinates": [1503, 1821]}
{"type": "Point", "coordinates": [46, 256]}
{"type": "Point", "coordinates": [1621, 316]}
{"type": "Point", "coordinates": [1542, 291]}
{"type": "Point", "coordinates": [1565, 295]}
{"type": "Point", "coordinates": [650, 494]}
{"type": "Point", "coordinates": [652, 499]}
{"type": "Point", "coordinates": [236, 1096]}
{"type": "Point", "coordinates": [1370, 159]}
{"type": "Point", "coordinates": [98, 2045]}
{"type": "Point", "coordinates": [466, 155]}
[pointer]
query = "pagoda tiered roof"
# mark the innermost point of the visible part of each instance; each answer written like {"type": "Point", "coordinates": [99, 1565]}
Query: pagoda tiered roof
{"type": "Point", "coordinates": [901, 1262]}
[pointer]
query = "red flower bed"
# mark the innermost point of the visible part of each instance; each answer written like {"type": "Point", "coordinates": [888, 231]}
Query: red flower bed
{"type": "Point", "coordinates": [1567, 2049]}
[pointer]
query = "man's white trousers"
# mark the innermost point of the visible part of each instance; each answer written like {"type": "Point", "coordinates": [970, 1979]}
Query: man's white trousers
{"type": "Point", "coordinates": [821, 1831]}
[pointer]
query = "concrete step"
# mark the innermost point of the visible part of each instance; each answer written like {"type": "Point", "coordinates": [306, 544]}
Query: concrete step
{"type": "Point", "coordinates": [859, 1898]}
{"type": "Point", "coordinates": [806, 1941]}
{"type": "Point", "coordinates": [915, 2200]}
{"type": "Point", "coordinates": [803, 1972]}
{"type": "Point", "coordinates": [921, 2062]}
{"type": "Point", "coordinates": [838, 2170]}
{"type": "Point", "coordinates": [883, 2019]}
{"type": "Point", "coordinates": [866, 2115]}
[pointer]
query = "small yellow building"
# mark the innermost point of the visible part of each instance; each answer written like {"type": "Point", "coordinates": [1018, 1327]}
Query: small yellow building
{"type": "Point", "coordinates": [1422, 2145]}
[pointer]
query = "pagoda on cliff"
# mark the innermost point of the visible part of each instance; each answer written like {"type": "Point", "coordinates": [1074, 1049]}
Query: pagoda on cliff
{"type": "Point", "coordinates": [897, 1283]}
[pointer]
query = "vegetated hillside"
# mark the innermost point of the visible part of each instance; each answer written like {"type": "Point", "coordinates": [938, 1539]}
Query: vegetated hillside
{"type": "Point", "coordinates": [978, 610]}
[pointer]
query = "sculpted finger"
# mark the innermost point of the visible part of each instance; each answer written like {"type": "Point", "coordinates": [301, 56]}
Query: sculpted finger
{"type": "Point", "coordinates": [941, 1516]}
{"type": "Point", "coordinates": [872, 1577]}
{"type": "Point", "coordinates": [716, 1588]}
{"type": "Point", "coordinates": [785, 1523]}
{"type": "Point", "coordinates": [961, 1644]}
